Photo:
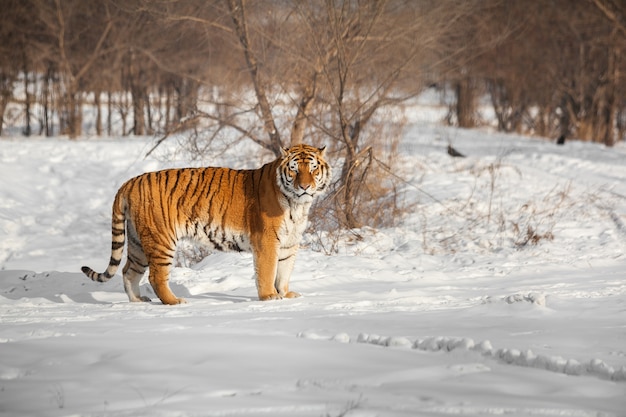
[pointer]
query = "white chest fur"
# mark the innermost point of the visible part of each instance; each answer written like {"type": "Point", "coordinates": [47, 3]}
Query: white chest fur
{"type": "Point", "coordinates": [293, 226]}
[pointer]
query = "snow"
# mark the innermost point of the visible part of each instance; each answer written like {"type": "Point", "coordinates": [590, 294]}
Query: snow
{"type": "Point", "coordinates": [456, 311]}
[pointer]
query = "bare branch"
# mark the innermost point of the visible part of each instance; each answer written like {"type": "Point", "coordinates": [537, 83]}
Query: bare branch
{"type": "Point", "coordinates": [238, 14]}
{"type": "Point", "coordinates": [612, 12]}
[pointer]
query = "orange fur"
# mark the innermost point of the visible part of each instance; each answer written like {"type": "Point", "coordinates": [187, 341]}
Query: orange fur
{"type": "Point", "coordinates": [262, 210]}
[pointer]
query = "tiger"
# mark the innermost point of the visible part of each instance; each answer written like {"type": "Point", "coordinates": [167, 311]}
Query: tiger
{"type": "Point", "coordinates": [263, 211]}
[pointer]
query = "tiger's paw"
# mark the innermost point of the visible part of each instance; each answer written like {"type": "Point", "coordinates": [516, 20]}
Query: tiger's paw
{"type": "Point", "coordinates": [175, 301]}
{"type": "Point", "coordinates": [140, 299]}
{"type": "Point", "coordinates": [292, 294]}
{"type": "Point", "coordinates": [274, 296]}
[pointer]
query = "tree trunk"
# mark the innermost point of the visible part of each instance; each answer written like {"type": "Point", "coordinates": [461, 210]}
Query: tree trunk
{"type": "Point", "coordinates": [567, 114]}
{"type": "Point", "coordinates": [146, 100]}
{"type": "Point", "coordinates": [98, 104]}
{"type": "Point", "coordinates": [348, 197]}
{"type": "Point", "coordinates": [6, 92]}
{"type": "Point", "coordinates": [238, 15]}
{"type": "Point", "coordinates": [74, 113]}
{"type": "Point", "coordinates": [46, 99]}
{"type": "Point", "coordinates": [603, 116]}
{"type": "Point", "coordinates": [4, 99]}
{"type": "Point", "coordinates": [187, 98]}
{"type": "Point", "coordinates": [304, 109]}
{"type": "Point", "coordinates": [607, 107]}
{"type": "Point", "coordinates": [139, 123]}
{"type": "Point", "coordinates": [465, 103]}
{"type": "Point", "coordinates": [123, 109]}
{"type": "Point", "coordinates": [27, 129]}
{"type": "Point", "coordinates": [109, 113]}
{"type": "Point", "coordinates": [168, 105]}
{"type": "Point", "coordinates": [138, 99]}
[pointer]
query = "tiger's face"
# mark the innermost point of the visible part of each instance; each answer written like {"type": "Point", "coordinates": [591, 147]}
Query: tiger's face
{"type": "Point", "coordinates": [303, 173]}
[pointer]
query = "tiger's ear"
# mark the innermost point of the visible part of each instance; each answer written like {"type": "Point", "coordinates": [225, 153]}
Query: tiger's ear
{"type": "Point", "coordinates": [284, 151]}
{"type": "Point", "coordinates": [322, 150]}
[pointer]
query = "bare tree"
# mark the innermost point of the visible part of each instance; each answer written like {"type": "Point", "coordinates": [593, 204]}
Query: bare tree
{"type": "Point", "coordinates": [550, 68]}
{"type": "Point", "coordinates": [337, 64]}
{"type": "Point", "coordinates": [77, 45]}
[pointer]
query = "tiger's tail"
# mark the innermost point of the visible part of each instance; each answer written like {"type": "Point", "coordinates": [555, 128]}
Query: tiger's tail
{"type": "Point", "coordinates": [118, 231]}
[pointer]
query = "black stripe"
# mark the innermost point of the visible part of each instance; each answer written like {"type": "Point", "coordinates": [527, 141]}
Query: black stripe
{"type": "Point", "coordinates": [159, 195]}
{"type": "Point", "coordinates": [186, 194]}
{"type": "Point", "coordinates": [218, 186]}
{"type": "Point", "coordinates": [222, 201]}
{"type": "Point", "coordinates": [196, 231]}
{"type": "Point", "coordinates": [209, 189]}
{"type": "Point", "coordinates": [284, 259]}
{"type": "Point", "coordinates": [234, 185]}
{"type": "Point", "coordinates": [135, 261]}
{"type": "Point", "coordinates": [199, 190]}
{"type": "Point", "coordinates": [132, 184]}
{"type": "Point", "coordinates": [234, 246]}
{"type": "Point", "coordinates": [166, 194]}
{"type": "Point", "coordinates": [132, 268]}
{"type": "Point", "coordinates": [178, 173]}
{"type": "Point", "coordinates": [191, 179]}
{"type": "Point", "coordinates": [134, 240]}
{"type": "Point", "coordinates": [162, 256]}
{"type": "Point", "coordinates": [200, 181]}
{"type": "Point", "coordinates": [261, 173]}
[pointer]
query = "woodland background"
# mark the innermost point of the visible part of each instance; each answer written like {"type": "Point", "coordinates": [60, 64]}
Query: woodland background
{"type": "Point", "coordinates": [332, 72]}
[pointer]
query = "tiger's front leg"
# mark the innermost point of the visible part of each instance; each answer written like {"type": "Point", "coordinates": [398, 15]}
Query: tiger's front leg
{"type": "Point", "coordinates": [283, 275]}
{"type": "Point", "coordinates": [265, 264]}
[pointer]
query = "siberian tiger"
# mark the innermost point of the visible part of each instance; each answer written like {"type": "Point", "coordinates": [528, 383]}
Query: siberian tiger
{"type": "Point", "coordinates": [260, 210]}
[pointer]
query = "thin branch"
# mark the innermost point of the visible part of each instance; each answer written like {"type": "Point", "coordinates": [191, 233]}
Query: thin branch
{"type": "Point", "coordinates": [612, 12]}
{"type": "Point", "coordinates": [238, 15]}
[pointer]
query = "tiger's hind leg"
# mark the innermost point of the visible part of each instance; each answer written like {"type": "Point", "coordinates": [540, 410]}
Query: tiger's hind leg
{"type": "Point", "coordinates": [136, 265]}
{"type": "Point", "coordinates": [160, 261]}
{"type": "Point", "coordinates": [160, 258]}
{"type": "Point", "coordinates": [159, 275]}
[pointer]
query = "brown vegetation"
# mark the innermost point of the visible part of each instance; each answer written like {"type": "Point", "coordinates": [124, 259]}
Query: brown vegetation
{"type": "Point", "coordinates": [321, 71]}
{"type": "Point", "coordinates": [549, 67]}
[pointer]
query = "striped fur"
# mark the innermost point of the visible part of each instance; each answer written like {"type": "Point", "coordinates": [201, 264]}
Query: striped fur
{"type": "Point", "coordinates": [262, 210]}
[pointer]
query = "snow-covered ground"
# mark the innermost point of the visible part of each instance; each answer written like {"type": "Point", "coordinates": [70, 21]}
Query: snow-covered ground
{"type": "Point", "coordinates": [502, 292]}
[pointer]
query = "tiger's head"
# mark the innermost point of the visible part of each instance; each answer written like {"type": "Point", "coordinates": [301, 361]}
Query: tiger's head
{"type": "Point", "coordinates": [303, 173]}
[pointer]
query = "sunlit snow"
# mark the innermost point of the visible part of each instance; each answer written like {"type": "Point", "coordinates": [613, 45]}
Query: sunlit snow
{"type": "Point", "coordinates": [458, 310]}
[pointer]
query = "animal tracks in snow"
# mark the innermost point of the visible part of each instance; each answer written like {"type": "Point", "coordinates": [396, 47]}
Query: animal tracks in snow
{"type": "Point", "coordinates": [525, 358]}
